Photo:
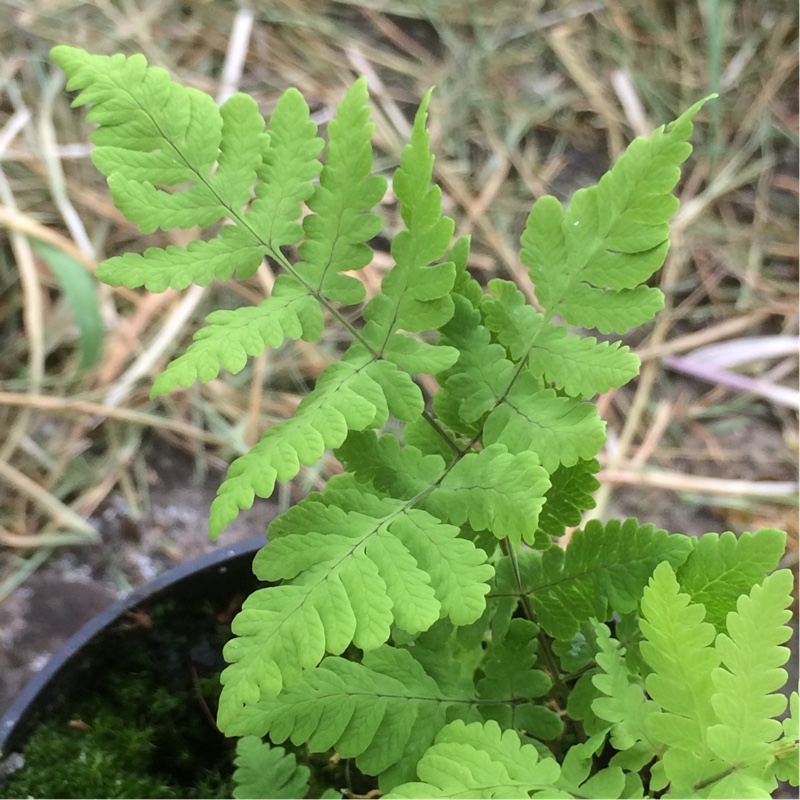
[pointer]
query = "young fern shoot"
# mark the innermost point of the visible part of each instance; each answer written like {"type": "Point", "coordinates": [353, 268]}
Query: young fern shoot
{"type": "Point", "coordinates": [424, 621]}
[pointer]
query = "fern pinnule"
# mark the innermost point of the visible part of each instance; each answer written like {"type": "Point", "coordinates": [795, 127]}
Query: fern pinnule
{"type": "Point", "coordinates": [745, 701]}
{"type": "Point", "coordinates": [341, 221]}
{"type": "Point", "coordinates": [723, 567]}
{"type": "Point", "coordinates": [589, 263]}
{"type": "Point", "coordinates": [286, 176]}
{"type": "Point", "coordinates": [678, 646]}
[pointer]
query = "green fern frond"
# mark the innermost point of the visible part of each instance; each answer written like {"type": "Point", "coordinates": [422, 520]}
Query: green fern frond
{"type": "Point", "coordinates": [264, 771]}
{"type": "Point", "coordinates": [492, 489]}
{"type": "Point", "coordinates": [624, 704]}
{"type": "Point", "coordinates": [560, 430]}
{"type": "Point", "coordinates": [582, 367]}
{"type": "Point", "coordinates": [231, 336]}
{"type": "Point", "coordinates": [522, 414]}
{"type": "Point", "coordinates": [415, 294]}
{"type": "Point", "coordinates": [340, 225]}
{"type": "Point", "coordinates": [233, 252]}
{"type": "Point", "coordinates": [350, 706]}
{"type": "Point", "coordinates": [588, 264]}
{"type": "Point", "coordinates": [476, 383]}
{"type": "Point", "coordinates": [288, 169]}
{"type": "Point", "coordinates": [745, 701]}
{"type": "Point", "coordinates": [480, 760]}
{"type": "Point", "coordinates": [400, 472]}
{"type": "Point", "coordinates": [153, 132]}
{"type": "Point", "coordinates": [603, 570]}
{"type": "Point", "coordinates": [348, 577]}
{"type": "Point", "coordinates": [722, 568]}
{"type": "Point", "coordinates": [511, 680]}
{"type": "Point", "coordinates": [787, 753]}
{"type": "Point", "coordinates": [495, 491]}
{"type": "Point", "coordinates": [678, 646]}
{"type": "Point", "coordinates": [571, 493]}
{"type": "Point", "coordinates": [608, 782]}
{"type": "Point", "coordinates": [353, 394]}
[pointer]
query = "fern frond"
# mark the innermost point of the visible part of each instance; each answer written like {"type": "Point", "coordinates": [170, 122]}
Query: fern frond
{"type": "Point", "coordinates": [678, 646]}
{"type": "Point", "coordinates": [523, 415]}
{"type": "Point", "coordinates": [745, 701]}
{"type": "Point", "coordinates": [348, 577]}
{"type": "Point", "coordinates": [231, 336]}
{"type": "Point", "coordinates": [456, 565]}
{"type": "Point", "coordinates": [580, 366]}
{"type": "Point", "coordinates": [400, 472]}
{"type": "Point", "coordinates": [603, 570]}
{"type": "Point", "coordinates": [571, 492]}
{"type": "Point", "coordinates": [340, 225]}
{"type": "Point", "coordinates": [492, 489]}
{"type": "Point", "coordinates": [264, 771]}
{"type": "Point", "coordinates": [154, 132]}
{"type": "Point", "coordinates": [288, 169]}
{"type": "Point", "coordinates": [511, 680]}
{"type": "Point", "coordinates": [478, 760]}
{"type": "Point", "coordinates": [588, 264]}
{"type": "Point", "coordinates": [608, 782]}
{"type": "Point", "coordinates": [560, 430]}
{"type": "Point", "coordinates": [722, 568]}
{"type": "Point", "coordinates": [624, 704]}
{"type": "Point", "coordinates": [787, 752]}
{"type": "Point", "coordinates": [233, 252]}
{"type": "Point", "coordinates": [476, 383]}
{"type": "Point", "coordinates": [353, 394]}
{"type": "Point", "coordinates": [415, 294]}
{"type": "Point", "coordinates": [351, 706]}
{"type": "Point", "coordinates": [495, 491]}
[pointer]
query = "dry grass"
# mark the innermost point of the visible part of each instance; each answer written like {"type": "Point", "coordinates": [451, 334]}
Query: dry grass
{"type": "Point", "coordinates": [531, 99]}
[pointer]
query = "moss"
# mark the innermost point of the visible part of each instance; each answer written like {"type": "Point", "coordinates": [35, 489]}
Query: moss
{"type": "Point", "coordinates": [144, 729]}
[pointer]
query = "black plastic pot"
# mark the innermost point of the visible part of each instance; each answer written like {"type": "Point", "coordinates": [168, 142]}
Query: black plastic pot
{"type": "Point", "coordinates": [155, 625]}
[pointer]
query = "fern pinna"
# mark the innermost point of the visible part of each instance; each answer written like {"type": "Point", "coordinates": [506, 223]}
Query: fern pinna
{"type": "Point", "coordinates": [424, 621]}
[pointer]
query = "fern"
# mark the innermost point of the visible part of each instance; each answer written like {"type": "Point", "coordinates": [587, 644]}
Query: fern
{"type": "Point", "coordinates": [267, 772]}
{"type": "Point", "coordinates": [419, 617]}
{"type": "Point", "coordinates": [482, 761]}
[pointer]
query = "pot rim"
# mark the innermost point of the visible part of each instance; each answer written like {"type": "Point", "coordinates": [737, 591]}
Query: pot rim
{"type": "Point", "coordinates": [147, 592]}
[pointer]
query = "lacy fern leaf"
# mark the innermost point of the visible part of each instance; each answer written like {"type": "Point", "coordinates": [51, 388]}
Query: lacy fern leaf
{"type": "Point", "coordinates": [154, 131]}
{"type": "Point", "coordinates": [580, 366]}
{"type": "Point", "coordinates": [263, 771]}
{"type": "Point", "coordinates": [340, 225]}
{"type": "Point", "coordinates": [624, 704]}
{"type": "Point", "coordinates": [231, 336]}
{"type": "Point", "coordinates": [721, 568]}
{"type": "Point", "coordinates": [751, 672]}
{"type": "Point", "coordinates": [603, 570]}
{"type": "Point", "coordinates": [348, 577]}
{"type": "Point", "coordinates": [588, 264]}
{"type": "Point", "coordinates": [511, 680]}
{"type": "Point", "coordinates": [571, 492]}
{"type": "Point", "coordinates": [679, 648]}
{"type": "Point", "coordinates": [350, 706]}
{"type": "Point", "coordinates": [415, 294]}
{"type": "Point", "coordinates": [352, 394]}
{"type": "Point", "coordinates": [480, 760]}
{"type": "Point", "coordinates": [288, 169]}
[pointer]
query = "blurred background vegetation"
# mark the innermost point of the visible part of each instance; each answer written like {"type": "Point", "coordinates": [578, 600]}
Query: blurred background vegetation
{"type": "Point", "coordinates": [531, 98]}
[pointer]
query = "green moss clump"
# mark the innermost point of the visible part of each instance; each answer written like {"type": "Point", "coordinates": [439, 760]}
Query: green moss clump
{"type": "Point", "coordinates": [123, 753]}
{"type": "Point", "coordinates": [142, 729]}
